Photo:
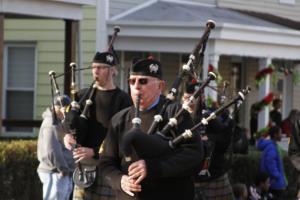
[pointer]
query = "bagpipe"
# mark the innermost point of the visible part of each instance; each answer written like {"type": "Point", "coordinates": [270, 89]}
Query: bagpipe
{"type": "Point", "coordinates": [157, 144]}
{"type": "Point", "coordinates": [84, 174]}
{"type": "Point", "coordinates": [76, 119]}
{"type": "Point", "coordinates": [187, 70]}
{"type": "Point", "coordinates": [136, 140]}
{"type": "Point", "coordinates": [54, 92]}
{"type": "Point", "coordinates": [223, 135]}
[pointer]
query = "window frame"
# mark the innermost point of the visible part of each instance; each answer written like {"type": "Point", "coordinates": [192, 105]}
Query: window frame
{"type": "Point", "coordinates": [8, 45]}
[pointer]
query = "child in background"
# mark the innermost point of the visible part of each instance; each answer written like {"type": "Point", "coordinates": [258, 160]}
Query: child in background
{"type": "Point", "coordinates": [240, 191]}
{"type": "Point", "coordinates": [271, 161]}
{"type": "Point", "coordinates": [260, 189]}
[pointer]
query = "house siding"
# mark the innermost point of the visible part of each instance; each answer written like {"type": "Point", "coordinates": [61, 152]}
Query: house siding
{"type": "Point", "coordinates": [49, 39]}
{"type": "Point", "coordinates": [264, 6]}
{"type": "Point", "coordinates": [48, 35]}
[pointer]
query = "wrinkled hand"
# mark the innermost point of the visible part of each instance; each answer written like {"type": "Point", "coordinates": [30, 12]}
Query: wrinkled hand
{"type": "Point", "coordinates": [81, 153]}
{"type": "Point", "coordinates": [137, 171]}
{"type": "Point", "coordinates": [128, 185]}
{"type": "Point", "coordinates": [69, 141]}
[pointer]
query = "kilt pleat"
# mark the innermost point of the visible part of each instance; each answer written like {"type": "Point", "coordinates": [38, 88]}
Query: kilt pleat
{"type": "Point", "coordinates": [217, 189]}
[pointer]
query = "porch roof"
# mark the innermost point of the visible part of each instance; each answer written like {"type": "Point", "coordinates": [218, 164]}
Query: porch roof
{"type": "Point", "coordinates": [169, 26]}
{"type": "Point", "coordinates": [165, 12]}
{"type": "Point", "coordinates": [60, 9]}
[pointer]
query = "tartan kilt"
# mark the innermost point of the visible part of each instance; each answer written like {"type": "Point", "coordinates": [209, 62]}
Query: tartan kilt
{"type": "Point", "coordinates": [100, 190]}
{"type": "Point", "coordinates": [217, 189]}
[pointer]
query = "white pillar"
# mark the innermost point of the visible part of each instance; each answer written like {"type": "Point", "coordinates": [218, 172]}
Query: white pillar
{"type": "Point", "coordinates": [287, 95]}
{"type": "Point", "coordinates": [205, 65]}
{"type": "Point", "coordinates": [296, 91]}
{"type": "Point", "coordinates": [264, 89]}
{"type": "Point", "coordinates": [102, 14]}
{"type": "Point", "coordinates": [214, 61]}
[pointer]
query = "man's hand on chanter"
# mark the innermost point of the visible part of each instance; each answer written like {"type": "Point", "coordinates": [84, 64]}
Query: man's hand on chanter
{"type": "Point", "coordinates": [138, 171]}
{"type": "Point", "coordinates": [128, 185]}
{"type": "Point", "coordinates": [82, 153]}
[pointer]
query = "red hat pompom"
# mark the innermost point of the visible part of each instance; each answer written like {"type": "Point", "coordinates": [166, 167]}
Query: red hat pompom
{"type": "Point", "coordinates": [194, 81]}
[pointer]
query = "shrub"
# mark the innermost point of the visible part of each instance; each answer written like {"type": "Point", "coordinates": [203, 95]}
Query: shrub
{"type": "Point", "coordinates": [19, 179]}
{"type": "Point", "coordinates": [245, 167]}
{"type": "Point", "coordinates": [18, 176]}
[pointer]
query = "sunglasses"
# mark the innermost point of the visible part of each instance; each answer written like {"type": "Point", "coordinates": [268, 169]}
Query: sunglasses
{"type": "Point", "coordinates": [142, 81]}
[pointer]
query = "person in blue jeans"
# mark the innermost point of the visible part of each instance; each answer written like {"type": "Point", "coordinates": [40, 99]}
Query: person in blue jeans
{"type": "Point", "coordinates": [271, 161]}
{"type": "Point", "coordinates": [56, 162]}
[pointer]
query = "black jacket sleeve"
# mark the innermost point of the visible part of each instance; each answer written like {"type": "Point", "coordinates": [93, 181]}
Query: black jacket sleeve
{"type": "Point", "coordinates": [110, 161]}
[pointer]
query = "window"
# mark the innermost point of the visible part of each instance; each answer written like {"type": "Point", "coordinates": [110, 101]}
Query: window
{"type": "Point", "coordinates": [19, 84]}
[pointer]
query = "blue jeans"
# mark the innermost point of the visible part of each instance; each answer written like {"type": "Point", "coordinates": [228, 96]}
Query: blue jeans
{"type": "Point", "coordinates": [55, 186]}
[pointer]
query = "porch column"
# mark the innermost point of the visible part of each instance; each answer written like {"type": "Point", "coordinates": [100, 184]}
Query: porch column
{"type": "Point", "coordinates": [287, 95]}
{"type": "Point", "coordinates": [264, 89]}
{"type": "Point", "coordinates": [296, 91]}
{"type": "Point", "coordinates": [214, 61]}
{"type": "Point", "coordinates": [1, 66]}
{"type": "Point", "coordinates": [70, 51]}
{"type": "Point", "coordinates": [101, 27]}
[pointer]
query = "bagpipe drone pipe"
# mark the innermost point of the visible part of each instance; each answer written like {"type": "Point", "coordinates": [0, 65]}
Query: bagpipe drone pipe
{"type": "Point", "coordinates": [71, 115]}
{"type": "Point", "coordinates": [55, 92]}
{"type": "Point", "coordinates": [76, 123]}
{"type": "Point", "coordinates": [187, 70]}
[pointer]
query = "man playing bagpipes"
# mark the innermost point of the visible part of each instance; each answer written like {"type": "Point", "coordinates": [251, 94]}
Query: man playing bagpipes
{"type": "Point", "coordinates": [105, 99]}
{"type": "Point", "coordinates": [217, 135]}
{"type": "Point", "coordinates": [162, 176]}
{"type": "Point", "coordinates": [212, 180]}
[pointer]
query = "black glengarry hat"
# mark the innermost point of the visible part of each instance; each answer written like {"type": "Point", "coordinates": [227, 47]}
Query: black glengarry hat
{"type": "Point", "coordinates": [147, 67]}
{"type": "Point", "coordinates": [105, 58]}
